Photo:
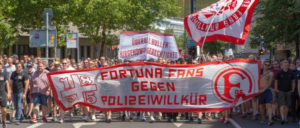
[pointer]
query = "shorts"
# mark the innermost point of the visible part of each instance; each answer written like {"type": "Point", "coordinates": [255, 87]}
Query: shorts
{"type": "Point", "coordinates": [284, 98]}
{"type": "Point", "coordinates": [39, 99]}
{"type": "Point", "coordinates": [265, 97]}
{"type": "Point", "coordinates": [3, 101]}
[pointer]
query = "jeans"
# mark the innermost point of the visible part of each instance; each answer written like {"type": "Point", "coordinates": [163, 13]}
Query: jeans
{"type": "Point", "coordinates": [18, 104]}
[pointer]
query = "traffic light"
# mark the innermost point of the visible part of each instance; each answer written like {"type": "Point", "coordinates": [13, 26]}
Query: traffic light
{"type": "Point", "coordinates": [261, 52]}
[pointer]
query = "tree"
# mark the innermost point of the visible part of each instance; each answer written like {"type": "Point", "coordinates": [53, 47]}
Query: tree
{"type": "Point", "coordinates": [277, 22]}
{"type": "Point", "coordinates": [27, 14]}
{"type": "Point", "coordinates": [8, 34]}
{"type": "Point", "coordinates": [100, 20]}
{"type": "Point", "coordinates": [215, 47]}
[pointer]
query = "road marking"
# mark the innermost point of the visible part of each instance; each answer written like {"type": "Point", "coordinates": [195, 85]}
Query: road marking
{"type": "Point", "coordinates": [35, 125]}
{"type": "Point", "coordinates": [235, 124]}
{"type": "Point", "coordinates": [177, 124]}
{"type": "Point", "coordinates": [78, 125]}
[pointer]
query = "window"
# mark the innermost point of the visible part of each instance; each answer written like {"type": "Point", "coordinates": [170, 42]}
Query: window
{"type": "Point", "coordinates": [63, 52]}
{"type": "Point", "coordinates": [81, 51]}
{"type": "Point", "coordinates": [88, 49]}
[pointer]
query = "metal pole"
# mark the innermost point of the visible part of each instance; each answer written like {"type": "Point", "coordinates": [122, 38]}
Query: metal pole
{"type": "Point", "coordinates": [193, 6]}
{"type": "Point", "coordinates": [47, 34]}
{"type": "Point", "coordinates": [225, 3]}
{"type": "Point", "coordinates": [78, 47]}
{"type": "Point", "coordinates": [55, 47]}
{"type": "Point", "coordinates": [193, 10]}
{"type": "Point", "coordinates": [55, 51]}
{"type": "Point", "coordinates": [184, 32]}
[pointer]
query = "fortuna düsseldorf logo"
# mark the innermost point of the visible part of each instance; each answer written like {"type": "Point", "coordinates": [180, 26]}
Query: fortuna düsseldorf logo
{"type": "Point", "coordinates": [231, 82]}
{"type": "Point", "coordinates": [233, 9]}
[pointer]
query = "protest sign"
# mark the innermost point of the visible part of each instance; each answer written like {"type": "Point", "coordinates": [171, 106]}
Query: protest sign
{"type": "Point", "coordinates": [148, 86]}
{"type": "Point", "coordinates": [144, 45]}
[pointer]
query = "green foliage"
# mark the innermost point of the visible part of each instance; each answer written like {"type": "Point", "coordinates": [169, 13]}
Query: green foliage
{"type": "Point", "coordinates": [100, 19]}
{"type": "Point", "coordinates": [27, 14]}
{"type": "Point", "coordinates": [215, 47]}
{"type": "Point", "coordinates": [8, 34]}
{"type": "Point", "coordinates": [179, 39]}
{"type": "Point", "coordinates": [277, 21]}
{"type": "Point", "coordinates": [153, 29]}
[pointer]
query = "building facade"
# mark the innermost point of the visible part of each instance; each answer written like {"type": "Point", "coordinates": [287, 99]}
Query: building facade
{"type": "Point", "coordinates": [86, 49]}
{"type": "Point", "coordinates": [170, 23]}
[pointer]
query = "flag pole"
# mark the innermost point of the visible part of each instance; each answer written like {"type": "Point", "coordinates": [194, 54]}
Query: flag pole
{"type": "Point", "coordinates": [210, 26]}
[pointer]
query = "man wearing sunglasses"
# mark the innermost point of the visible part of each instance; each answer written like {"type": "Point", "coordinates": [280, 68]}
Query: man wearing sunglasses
{"type": "Point", "coordinates": [66, 65]}
{"type": "Point", "coordinates": [265, 98]}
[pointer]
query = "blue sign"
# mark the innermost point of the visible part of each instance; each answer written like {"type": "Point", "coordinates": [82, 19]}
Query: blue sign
{"type": "Point", "coordinates": [38, 38]}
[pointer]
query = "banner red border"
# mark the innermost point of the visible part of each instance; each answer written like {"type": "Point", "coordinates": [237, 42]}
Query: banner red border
{"type": "Point", "coordinates": [148, 109]}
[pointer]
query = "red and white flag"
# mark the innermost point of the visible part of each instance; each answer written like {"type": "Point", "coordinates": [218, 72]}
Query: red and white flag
{"type": "Point", "coordinates": [226, 20]}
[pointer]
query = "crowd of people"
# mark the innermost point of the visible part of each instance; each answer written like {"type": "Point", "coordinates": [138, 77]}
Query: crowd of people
{"type": "Point", "coordinates": [25, 86]}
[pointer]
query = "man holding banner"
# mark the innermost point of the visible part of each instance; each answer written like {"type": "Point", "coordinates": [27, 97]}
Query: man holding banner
{"type": "Point", "coordinates": [266, 97]}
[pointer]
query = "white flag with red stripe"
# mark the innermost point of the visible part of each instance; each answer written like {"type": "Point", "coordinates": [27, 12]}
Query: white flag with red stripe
{"type": "Point", "coordinates": [226, 20]}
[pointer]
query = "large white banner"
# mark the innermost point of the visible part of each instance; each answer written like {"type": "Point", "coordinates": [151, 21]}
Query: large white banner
{"type": "Point", "coordinates": [226, 20]}
{"type": "Point", "coordinates": [146, 86]}
{"type": "Point", "coordinates": [144, 45]}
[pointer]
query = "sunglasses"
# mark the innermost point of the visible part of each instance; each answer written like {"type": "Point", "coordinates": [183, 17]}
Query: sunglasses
{"type": "Point", "coordinates": [267, 64]}
{"type": "Point", "coordinates": [64, 63]}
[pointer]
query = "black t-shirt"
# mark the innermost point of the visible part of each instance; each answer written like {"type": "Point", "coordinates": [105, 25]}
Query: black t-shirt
{"type": "Point", "coordinates": [3, 78]}
{"type": "Point", "coordinates": [285, 80]}
{"type": "Point", "coordinates": [18, 81]}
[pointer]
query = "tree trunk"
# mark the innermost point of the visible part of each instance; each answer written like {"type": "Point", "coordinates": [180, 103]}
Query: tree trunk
{"type": "Point", "coordinates": [102, 49]}
{"type": "Point", "coordinates": [38, 50]}
{"type": "Point", "coordinates": [103, 42]}
{"type": "Point", "coordinates": [10, 50]}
